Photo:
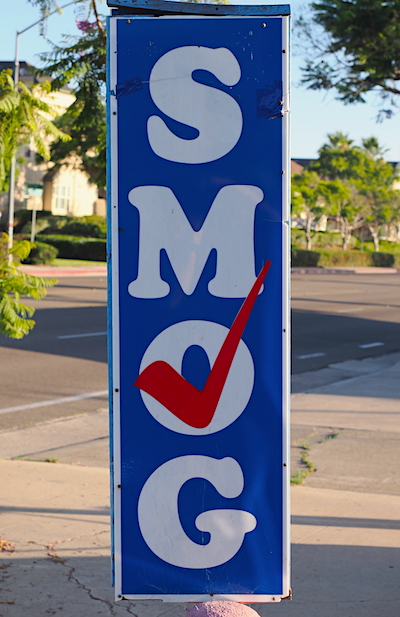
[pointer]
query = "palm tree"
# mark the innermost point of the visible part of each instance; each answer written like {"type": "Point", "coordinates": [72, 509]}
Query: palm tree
{"type": "Point", "coordinates": [24, 115]}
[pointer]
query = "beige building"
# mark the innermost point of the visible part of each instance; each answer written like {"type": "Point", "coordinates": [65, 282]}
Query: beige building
{"type": "Point", "coordinates": [67, 191]}
{"type": "Point", "coordinates": [62, 191]}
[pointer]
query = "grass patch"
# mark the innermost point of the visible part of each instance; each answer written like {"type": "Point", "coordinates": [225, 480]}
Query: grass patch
{"type": "Point", "coordinates": [330, 436]}
{"type": "Point", "coordinates": [36, 460]}
{"type": "Point", "coordinates": [304, 458]}
{"type": "Point", "coordinates": [300, 475]}
{"type": "Point", "coordinates": [76, 262]}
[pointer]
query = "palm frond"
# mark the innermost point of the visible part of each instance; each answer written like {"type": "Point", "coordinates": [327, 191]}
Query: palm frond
{"type": "Point", "coordinates": [15, 316]}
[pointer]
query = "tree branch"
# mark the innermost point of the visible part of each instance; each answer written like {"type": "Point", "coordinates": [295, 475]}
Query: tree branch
{"type": "Point", "coordinates": [98, 20]}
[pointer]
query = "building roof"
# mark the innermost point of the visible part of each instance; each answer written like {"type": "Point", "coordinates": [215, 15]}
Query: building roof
{"type": "Point", "coordinates": [295, 168]}
{"type": "Point", "coordinates": [27, 73]}
{"type": "Point", "coordinates": [304, 163]}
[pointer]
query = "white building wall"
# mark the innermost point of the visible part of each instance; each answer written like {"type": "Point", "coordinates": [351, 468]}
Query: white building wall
{"type": "Point", "coordinates": [72, 193]}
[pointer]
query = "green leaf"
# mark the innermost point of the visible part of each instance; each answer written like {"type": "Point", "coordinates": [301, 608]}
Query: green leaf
{"type": "Point", "coordinates": [15, 316]}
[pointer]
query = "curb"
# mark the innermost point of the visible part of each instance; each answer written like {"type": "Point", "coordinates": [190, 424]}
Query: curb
{"type": "Point", "coordinates": [346, 270]}
{"type": "Point", "coordinates": [59, 271]}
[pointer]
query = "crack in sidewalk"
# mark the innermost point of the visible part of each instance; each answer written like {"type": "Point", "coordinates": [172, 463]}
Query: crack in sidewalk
{"type": "Point", "coordinates": [73, 578]}
{"type": "Point", "coordinates": [51, 545]}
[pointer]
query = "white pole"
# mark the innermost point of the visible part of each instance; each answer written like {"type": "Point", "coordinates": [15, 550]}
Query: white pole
{"type": "Point", "coordinates": [11, 194]}
{"type": "Point", "coordinates": [33, 228]}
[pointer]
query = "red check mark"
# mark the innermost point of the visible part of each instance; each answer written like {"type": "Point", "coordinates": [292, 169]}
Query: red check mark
{"type": "Point", "coordinates": [197, 407]}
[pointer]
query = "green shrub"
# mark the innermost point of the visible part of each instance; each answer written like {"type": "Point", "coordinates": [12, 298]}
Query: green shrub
{"type": "Point", "coordinates": [71, 247]}
{"type": "Point", "coordinates": [45, 221]}
{"type": "Point", "coordinates": [93, 226]}
{"type": "Point", "coordinates": [3, 246]}
{"type": "Point", "coordinates": [23, 218]}
{"type": "Point", "coordinates": [384, 245]}
{"type": "Point", "coordinates": [41, 225]}
{"type": "Point", "coordinates": [382, 260]}
{"type": "Point", "coordinates": [320, 239]}
{"type": "Point", "coordinates": [86, 229]}
{"type": "Point", "coordinates": [298, 237]}
{"type": "Point", "coordinates": [41, 253]}
{"type": "Point", "coordinates": [95, 219]}
{"type": "Point", "coordinates": [389, 247]}
{"type": "Point", "coordinates": [332, 258]}
{"type": "Point", "coordinates": [329, 258]}
{"type": "Point", "coordinates": [304, 259]}
{"type": "Point", "coordinates": [328, 239]}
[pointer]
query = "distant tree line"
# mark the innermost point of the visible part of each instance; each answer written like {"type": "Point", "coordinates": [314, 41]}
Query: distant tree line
{"type": "Point", "coordinates": [352, 184]}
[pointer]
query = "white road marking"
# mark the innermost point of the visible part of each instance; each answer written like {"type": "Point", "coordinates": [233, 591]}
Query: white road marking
{"type": "Point", "coordinates": [54, 401]}
{"type": "Point", "coordinates": [368, 345]}
{"type": "Point", "coordinates": [82, 335]}
{"type": "Point", "coordinates": [350, 310]}
{"type": "Point", "coordinates": [310, 355]}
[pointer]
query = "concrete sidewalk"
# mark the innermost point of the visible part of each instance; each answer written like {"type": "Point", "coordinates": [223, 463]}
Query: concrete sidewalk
{"type": "Point", "coordinates": [345, 532]}
{"type": "Point", "coordinates": [346, 551]}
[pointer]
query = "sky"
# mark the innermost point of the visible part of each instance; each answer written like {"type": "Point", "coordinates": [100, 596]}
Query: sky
{"type": "Point", "coordinates": [313, 114]}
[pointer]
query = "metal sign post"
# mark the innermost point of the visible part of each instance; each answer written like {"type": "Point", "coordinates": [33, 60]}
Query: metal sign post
{"type": "Point", "coordinates": [199, 269]}
{"type": "Point", "coordinates": [33, 196]}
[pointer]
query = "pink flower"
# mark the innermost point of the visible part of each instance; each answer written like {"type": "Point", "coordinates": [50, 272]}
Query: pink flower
{"type": "Point", "coordinates": [85, 25]}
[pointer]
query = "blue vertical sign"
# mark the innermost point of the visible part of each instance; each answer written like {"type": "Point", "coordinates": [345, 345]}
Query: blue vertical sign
{"type": "Point", "coordinates": [199, 209]}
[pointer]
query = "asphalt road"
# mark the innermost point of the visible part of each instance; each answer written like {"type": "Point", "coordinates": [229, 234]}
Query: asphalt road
{"type": "Point", "coordinates": [44, 368]}
{"type": "Point", "coordinates": [60, 369]}
{"type": "Point", "coordinates": [337, 317]}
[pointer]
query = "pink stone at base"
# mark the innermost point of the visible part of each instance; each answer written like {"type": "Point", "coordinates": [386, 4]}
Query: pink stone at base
{"type": "Point", "coordinates": [221, 608]}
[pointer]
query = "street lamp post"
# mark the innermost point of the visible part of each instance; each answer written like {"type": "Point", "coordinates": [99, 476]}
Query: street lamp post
{"type": "Point", "coordinates": [11, 194]}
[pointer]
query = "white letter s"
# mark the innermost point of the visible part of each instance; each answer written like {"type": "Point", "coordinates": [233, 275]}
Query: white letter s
{"type": "Point", "coordinates": [215, 114]}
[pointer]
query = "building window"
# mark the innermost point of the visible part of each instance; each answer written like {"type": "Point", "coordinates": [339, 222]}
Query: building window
{"type": "Point", "coordinates": [62, 198]}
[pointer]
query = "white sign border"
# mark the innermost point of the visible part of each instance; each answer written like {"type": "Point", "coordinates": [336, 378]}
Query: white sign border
{"type": "Point", "coordinates": [115, 402]}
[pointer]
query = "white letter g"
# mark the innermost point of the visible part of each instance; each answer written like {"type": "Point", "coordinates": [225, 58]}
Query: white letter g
{"type": "Point", "coordinates": [159, 517]}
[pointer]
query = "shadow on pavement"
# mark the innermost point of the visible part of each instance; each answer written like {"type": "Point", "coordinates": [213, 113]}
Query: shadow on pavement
{"type": "Point", "coordinates": [338, 521]}
{"type": "Point", "coordinates": [327, 581]}
{"type": "Point", "coordinates": [338, 337]}
{"type": "Point", "coordinates": [52, 323]}
{"type": "Point", "coordinates": [72, 512]}
{"type": "Point", "coordinates": [356, 581]}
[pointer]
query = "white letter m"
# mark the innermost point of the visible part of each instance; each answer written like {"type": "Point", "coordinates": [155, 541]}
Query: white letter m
{"type": "Point", "coordinates": [228, 228]}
